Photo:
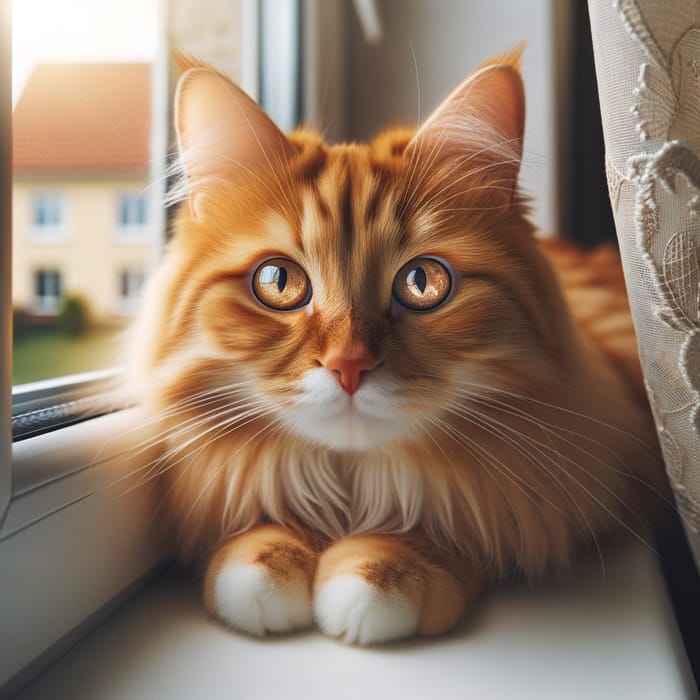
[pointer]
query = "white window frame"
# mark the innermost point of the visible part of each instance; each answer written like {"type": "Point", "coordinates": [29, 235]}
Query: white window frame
{"type": "Point", "coordinates": [5, 260]}
{"type": "Point", "coordinates": [49, 234]}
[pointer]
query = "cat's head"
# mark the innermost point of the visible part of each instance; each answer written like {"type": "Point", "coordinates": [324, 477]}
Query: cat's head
{"type": "Point", "coordinates": [348, 294]}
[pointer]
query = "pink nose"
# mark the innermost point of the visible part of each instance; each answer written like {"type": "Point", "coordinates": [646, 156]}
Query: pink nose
{"type": "Point", "coordinates": [350, 369]}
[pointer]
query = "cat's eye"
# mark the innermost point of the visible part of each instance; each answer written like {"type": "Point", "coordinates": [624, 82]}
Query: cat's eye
{"type": "Point", "coordinates": [422, 284]}
{"type": "Point", "coordinates": [281, 284]}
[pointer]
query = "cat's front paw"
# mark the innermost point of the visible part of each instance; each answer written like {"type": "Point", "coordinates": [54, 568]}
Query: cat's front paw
{"type": "Point", "coordinates": [260, 583]}
{"type": "Point", "coordinates": [248, 598]}
{"type": "Point", "coordinates": [371, 589]}
{"type": "Point", "coordinates": [351, 608]}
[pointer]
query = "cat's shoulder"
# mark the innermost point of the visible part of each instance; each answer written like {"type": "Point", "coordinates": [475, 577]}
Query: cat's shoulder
{"type": "Point", "coordinates": [594, 288]}
{"type": "Point", "coordinates": [600, 266]}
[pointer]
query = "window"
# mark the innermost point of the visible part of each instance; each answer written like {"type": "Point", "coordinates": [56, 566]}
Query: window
{"type": "Point", "coordinates": [130, 282]}
{"type": "Point", "coordinates": [48, 210]}
{"type": "Point", "coordinates": [48, 286]}
{"type": "Point", "coordinates": [133, 218]}
{"type": "Point", "coordinates": [132, 210]}
{"type": "Point", "coordinates": [48, 219]}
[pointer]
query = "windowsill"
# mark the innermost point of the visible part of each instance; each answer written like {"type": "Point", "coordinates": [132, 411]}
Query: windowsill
{"type": "Point", "coordinates": [135, 235]}
{"type": "Point", "coordinates": [584, 637]}
{"type": "Point", "coordinates": [45, 309]}
{"type": "Point", "coordinates": [48, 236]}
{"type": "Point", "coordinates": [78, 531]}
{"type": "Point", "coordinates": [126, 308]}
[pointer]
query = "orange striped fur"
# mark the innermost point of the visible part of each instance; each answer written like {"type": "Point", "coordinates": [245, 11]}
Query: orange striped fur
{"type": "Point", "coordinates": [505, 429]}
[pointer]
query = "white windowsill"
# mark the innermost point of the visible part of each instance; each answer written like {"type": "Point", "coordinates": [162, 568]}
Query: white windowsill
{"type": "Point", "coordinates": [48, 307]}
{"type": "Point", "coordinates": [135, 234]}
{"type": "Point", "coordinates": [581, 638]}
{"type": "Point", "coordinates": [77, 532]}
{"type": "Point", "coordinates": [48, 235]}
{"type": "Point", "coordinates": [126, 307]}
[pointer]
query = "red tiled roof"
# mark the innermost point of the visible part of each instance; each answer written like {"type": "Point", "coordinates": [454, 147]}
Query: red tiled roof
{"type": "Point", "coordinates": [83, 118]}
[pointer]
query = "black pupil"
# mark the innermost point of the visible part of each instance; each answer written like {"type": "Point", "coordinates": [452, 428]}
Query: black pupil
{"type": "Point", "coordinates": [281, 278]}
{"type": "Point", "coordinates": [418, 278]}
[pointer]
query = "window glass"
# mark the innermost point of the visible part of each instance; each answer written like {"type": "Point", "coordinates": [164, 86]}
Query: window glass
{"type": "Point", "coordinates": [129, 284]}
{"type": "Point", "coordinates": [83, 164]}
{"type": "Point", "coordinates": [47, 210]}
{"type": "Point", "coordinates": [132, 210]}
{"type": "Point", "coordinates": [48, 285]}
{"type": "Point", "coordinates": [47, 223]}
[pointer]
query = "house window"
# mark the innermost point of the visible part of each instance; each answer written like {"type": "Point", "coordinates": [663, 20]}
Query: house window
{"type": "Point", "coordinates": [133, 218]}
{"type": "Point", "coordinates": [48, 210]}
{"type": "Point", "coordinates": [48, 285]}
{"type": "Point", "coordinates": [130, 284]}
{"type": "Point", "coordinates": [48, 218]}
{"type": "Point", "coordinates": [132, 210]}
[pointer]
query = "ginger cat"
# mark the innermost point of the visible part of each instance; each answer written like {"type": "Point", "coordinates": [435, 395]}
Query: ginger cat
{"type": "Point", "coordinates": [375, 395]}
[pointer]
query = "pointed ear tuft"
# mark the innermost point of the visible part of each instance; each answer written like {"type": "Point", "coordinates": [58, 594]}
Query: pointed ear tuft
{"type": "Point", "coordinates": [221, 131]}
{"type": "Point", "coordinates": [184, 61]}
{"type": "Point", "coordinates": [483, 117]}
{"type": "Point", "coordinates": [512, 57]}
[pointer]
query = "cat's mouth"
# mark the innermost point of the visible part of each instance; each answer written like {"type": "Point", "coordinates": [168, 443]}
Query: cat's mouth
{"type": "Point", "coordinates": [368, 419]}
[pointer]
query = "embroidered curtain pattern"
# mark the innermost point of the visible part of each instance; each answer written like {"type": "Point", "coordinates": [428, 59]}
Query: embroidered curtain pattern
{"type": "Point", "coordinates": [647, 56]}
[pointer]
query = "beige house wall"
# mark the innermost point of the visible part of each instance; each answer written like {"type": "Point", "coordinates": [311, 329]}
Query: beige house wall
{"type": "Point", "coordinates": [87, 250]}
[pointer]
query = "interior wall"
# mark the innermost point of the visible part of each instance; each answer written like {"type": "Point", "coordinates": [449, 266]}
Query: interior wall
{"type": "Point", "coordinates": [324, 53]}
{"type": "Point", "coordinates": [211, 30]}
{"type": "Point", "coordinates": [448, 39]}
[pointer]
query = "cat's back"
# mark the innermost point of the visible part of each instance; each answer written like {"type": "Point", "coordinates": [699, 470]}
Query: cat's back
{"type": "Point", "coordinates": [594, 288]}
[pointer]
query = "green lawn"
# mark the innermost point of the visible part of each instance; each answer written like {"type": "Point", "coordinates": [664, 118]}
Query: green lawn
{"type": "Point", "coordinates": [46, 353]}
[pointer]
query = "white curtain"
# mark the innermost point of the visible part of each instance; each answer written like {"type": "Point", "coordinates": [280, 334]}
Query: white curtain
{"type": "Point", "coordinates": [647, 55]}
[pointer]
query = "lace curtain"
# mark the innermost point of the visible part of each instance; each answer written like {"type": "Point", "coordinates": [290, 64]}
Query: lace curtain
{"type": "Point", "coordinates": [647, 55]}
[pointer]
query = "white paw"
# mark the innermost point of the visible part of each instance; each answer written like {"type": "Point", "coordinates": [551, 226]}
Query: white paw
{"type": "Point", "coordinates": [350, 608]}
{"type": "Point", "coordinates": [248, 598]}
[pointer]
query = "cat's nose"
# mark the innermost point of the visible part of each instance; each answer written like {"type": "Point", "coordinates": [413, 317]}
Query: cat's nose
{"type": "Point", "coordinates": [349, 367]}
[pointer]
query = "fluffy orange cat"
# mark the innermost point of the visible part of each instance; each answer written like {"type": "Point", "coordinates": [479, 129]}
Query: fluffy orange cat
{"type": "Point", "coordinates": [376, 394]}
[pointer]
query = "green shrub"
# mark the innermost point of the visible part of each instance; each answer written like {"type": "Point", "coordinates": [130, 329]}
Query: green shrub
{"type": "Point", "coordinates": [73, 315]}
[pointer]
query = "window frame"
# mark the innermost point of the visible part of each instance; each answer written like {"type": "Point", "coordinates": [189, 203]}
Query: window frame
{"type": "Point", "coordinates": [5, 257]}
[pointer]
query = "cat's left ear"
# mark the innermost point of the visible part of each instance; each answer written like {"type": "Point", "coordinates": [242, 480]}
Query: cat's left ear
{"type": "Point", "coordinates": [221, 131]}
{"type": "Point", "coordinates": [482, 118]}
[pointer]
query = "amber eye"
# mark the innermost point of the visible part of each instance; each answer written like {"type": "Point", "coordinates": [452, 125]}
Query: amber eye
{"type": "Point", "coordinates": [281, 284]}
{"type": "Point", "coordinates": [422, 284]}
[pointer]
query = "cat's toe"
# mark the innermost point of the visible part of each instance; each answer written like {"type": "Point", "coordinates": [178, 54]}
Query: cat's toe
{"type": "Point", "coordinates": [249, 598]}
{"type": "Point", "coordinates": [350, 607]}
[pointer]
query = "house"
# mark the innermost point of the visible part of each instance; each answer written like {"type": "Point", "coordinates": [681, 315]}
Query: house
{"type": "Point", "coordinates": [82, 209]}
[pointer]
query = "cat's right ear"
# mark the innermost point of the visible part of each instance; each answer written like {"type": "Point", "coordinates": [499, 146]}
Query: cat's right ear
{"type": "Point", "coordinates": [221, 131]}
{"type": "Point", "coordinates": [483, 117]}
